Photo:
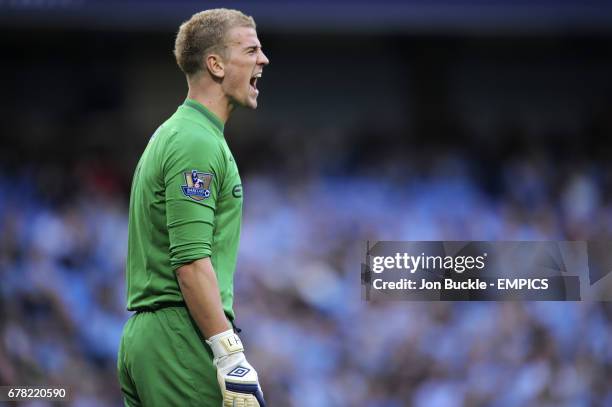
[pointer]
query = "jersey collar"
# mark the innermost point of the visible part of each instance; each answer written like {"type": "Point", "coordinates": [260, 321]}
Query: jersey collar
{"type": "Point", "coordinates": [207, 113]}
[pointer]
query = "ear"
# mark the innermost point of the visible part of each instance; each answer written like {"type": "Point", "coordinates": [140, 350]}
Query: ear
{"type": "Point", "coordinates": [214, 64]}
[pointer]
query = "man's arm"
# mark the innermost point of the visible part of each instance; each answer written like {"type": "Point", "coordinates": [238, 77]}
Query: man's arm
{"type": "Point", "coordinates": [237, 378]}
{"type": "Point", "coordinates": [198, 283]}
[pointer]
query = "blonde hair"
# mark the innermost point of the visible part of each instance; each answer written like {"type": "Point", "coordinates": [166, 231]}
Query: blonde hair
{"type": "Point", "coordinates": [204, 33]}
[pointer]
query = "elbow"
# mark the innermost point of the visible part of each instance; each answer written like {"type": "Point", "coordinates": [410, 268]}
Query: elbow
{"type": "Point", "coordinates": [184, 272]}
{"type": "Point", "coordinates": [188, 271]}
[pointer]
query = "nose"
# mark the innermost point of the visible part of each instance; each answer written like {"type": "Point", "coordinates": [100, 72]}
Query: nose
{"type": "Point", "coordinates": [263, 59]}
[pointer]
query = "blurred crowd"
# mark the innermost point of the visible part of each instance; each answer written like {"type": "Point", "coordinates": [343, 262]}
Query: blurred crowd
{"type": "Point", "coordinates": [313, 339]}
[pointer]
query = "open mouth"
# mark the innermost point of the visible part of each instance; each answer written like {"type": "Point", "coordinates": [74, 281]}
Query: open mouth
{"type": "Point", "coordinates": [253, 81]}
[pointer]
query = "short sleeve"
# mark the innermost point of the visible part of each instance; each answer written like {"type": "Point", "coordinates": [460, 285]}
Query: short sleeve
{"type": "Point", "coordinates": [192, 170]}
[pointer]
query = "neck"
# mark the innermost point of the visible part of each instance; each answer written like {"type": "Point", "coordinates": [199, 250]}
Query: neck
{"type": "Point", "coordinates": [210, 94]}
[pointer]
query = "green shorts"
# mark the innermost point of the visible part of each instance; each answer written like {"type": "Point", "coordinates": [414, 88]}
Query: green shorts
{"type": "Point", "coordinates": [163, 361]}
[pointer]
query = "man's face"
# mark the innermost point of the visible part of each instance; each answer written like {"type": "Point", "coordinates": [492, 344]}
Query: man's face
{"type": "Point", "coordinates": [243, 66]}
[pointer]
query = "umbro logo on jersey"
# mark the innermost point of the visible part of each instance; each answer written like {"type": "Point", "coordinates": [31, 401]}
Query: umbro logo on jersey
{"type": "Point", "coordinates": [197, 185]}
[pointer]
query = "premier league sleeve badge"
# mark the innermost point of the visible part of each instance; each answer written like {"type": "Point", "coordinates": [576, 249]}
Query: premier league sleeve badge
{"type": "Point", "coordinates": [197, 185]}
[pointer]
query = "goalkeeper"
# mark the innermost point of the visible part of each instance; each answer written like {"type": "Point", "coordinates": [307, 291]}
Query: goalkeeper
{"type": "Point", "coordinates": [179, 348]}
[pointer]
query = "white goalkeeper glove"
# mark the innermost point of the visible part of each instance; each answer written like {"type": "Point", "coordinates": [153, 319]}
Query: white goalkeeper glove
{"type": "Point", "coordinates": [237, 378]}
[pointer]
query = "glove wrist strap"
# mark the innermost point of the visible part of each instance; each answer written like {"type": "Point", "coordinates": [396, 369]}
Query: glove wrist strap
{"type": "Point", "coordinates": [225, 344]}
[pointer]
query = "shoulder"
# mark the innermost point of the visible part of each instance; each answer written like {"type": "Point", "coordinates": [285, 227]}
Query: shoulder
{"type": "Point", "coordinates": [189, 147]}
{"type": "Point", "coordinates": [183, 132]}
{"type": "Point", "coordinates": [199, 141]}
{"type": "Point", "coordinates": [187, 144]}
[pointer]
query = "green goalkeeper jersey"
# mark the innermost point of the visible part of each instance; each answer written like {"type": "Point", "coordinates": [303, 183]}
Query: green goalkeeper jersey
{"type": "Point", "coordinates": [185, 204]}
